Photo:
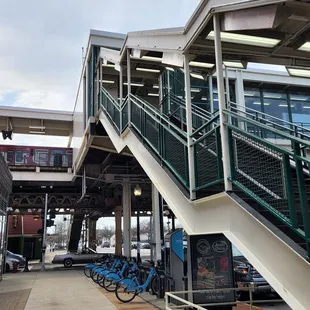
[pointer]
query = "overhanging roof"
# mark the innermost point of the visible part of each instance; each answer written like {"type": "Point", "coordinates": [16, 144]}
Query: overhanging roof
{"type": "Point", "coordinates": [29, 121]}
{"type": "Point", "coordinates": [286, 22]}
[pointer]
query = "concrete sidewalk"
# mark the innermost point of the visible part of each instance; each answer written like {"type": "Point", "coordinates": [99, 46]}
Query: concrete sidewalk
{"type": "Point", "coordinates": [61, 290]}
{"type": "Point", "coordinates": [65, 290]}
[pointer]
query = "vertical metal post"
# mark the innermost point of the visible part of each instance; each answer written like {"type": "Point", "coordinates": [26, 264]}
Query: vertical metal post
{"type": "Point", "coordinates": [239, 89]}
{"type": "Point", "coordinates": [251, 299]}
{"type": "Point", "coordinates": [118, 231]}
{"type": "Point", "coordinates": [138, 229]}
{"type": "Point", "coordinates": [227, 86]}
{"type": "Point", "coordinates": [97, 89]}
{"type": "Point", "coordinates": [151, 238]}
{"type": "Point", "coordinates": [302, 195]}
{"type": "Point", "coordinates": [190, 149]}
{"type": "Point", "coordinates": [129, 86]}
{"type": "Point", "coordinates": [168, 91]}
{"type": "Point", "coordinates": [100, 81]}
{"type": "Point", "coordinates": [211, 93]}
{"type": "Point", "coordinates": [84, 102]}
{"type": "Point", "coordinates": [120, 99]}
{"type": "Point", "coordinates": [44, 233]}
{"type": "Point", "coordinates": [156, 216]}
{"type": "Point", "coordinates": [221, 97]}
{"type": "Point", "coordinates": [161, 96]}
{"type": "Point", "coordinates": [127, 218]}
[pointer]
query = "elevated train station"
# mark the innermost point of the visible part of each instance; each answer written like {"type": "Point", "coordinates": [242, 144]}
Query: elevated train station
{"type": "Point", "coordinates": [182, 115]}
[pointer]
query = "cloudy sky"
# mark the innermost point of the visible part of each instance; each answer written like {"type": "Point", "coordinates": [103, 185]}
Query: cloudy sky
{"type": "Point", "coordinates": [41, 42]}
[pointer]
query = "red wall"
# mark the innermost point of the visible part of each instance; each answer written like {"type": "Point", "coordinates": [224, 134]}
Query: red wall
{"type": "Point", "coordinates": [30, 225]}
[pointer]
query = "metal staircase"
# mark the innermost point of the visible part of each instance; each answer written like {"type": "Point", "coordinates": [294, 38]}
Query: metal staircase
{"type": "Point", "coordinates": [270, 182]}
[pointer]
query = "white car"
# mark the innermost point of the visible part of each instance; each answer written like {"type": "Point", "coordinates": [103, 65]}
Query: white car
{"type": "Point", "coordinates": [9, 264]}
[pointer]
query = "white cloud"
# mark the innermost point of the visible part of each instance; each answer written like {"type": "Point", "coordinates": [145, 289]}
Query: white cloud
{"type": "Point", "coordinates": [41, 41]}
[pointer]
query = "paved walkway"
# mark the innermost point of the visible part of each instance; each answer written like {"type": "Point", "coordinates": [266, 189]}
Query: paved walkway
{"type": "Point", "coordinates": [59, 290]}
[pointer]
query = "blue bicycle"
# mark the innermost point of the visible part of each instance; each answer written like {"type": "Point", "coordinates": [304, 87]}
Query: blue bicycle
{"type": "Point", "coordinates": [128, 288]}
{"type": "Point", "coordinates": [112, 278]}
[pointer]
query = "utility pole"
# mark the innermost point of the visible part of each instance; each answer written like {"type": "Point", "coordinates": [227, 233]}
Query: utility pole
{"type": "Point", "coordinates": [44, 234]}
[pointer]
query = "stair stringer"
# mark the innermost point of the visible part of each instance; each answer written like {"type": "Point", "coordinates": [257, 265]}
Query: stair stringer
{"type": "Point", "coordinates": [286, 271]}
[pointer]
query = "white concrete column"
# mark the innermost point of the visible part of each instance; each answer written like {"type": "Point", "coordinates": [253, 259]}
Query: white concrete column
{"type": "Point", "coordinates": [129, 85]}
{"type": "Point", "coordinates": [127, 218]}
{"type": "Point", "coordinates": [156, 223]}
{"type": "Point", "coordinates": [222, 104]}
{"type": "Point", "coordinates": [189, 120]}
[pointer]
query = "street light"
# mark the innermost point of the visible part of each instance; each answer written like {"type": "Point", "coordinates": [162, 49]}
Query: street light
{"type": "Point", "coordinates": [137, 192]}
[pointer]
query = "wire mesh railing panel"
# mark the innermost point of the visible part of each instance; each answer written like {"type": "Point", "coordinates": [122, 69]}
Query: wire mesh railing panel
{"type": "Point", "coordinates": [175, 155]}
{"type": "Point", "coordinates": [110, 109]}
{"type": "Point", "coordinates": [151, 133]}
{"type": "Point", "coordinates": [208, 160]}
{"type": "Point", "coordinates": [259, 169]}
{"type": "Point", "coordinates": [136, 116]}
{"type": "Point", "coordinates": [124, 112]}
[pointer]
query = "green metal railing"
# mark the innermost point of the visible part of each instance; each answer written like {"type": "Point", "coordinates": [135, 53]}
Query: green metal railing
{"type": "Point", "coordinates": [275, 176]}
{"type": "Point", "coordinates": [167, 141]}
{"type": "Point", "coordinates": [272, 174]}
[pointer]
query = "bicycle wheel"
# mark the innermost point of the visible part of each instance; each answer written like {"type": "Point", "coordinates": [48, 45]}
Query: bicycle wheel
{"type": "Point", "coordinates": [87, 272]}
{"type": "Point", "coordinates": [154, 285]}
{"type": "Point", "coordinates": [94, 276]}
{"type": "Point", "coordinates": [100, 279]}
{"type": "Point", "coordinates": [110, 281]}
{"type": "Point", "coordinates": [126, 291]}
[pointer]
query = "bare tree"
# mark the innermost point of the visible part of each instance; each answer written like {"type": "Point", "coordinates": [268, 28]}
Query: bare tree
{"type": "Point", "coordinates": [105, 233]}
{"type": "Point", "coordinates": [61, 232]}
{"type": "Point", "coordinates": [144, 229]}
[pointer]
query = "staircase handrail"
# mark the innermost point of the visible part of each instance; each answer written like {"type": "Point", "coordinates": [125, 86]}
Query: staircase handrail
{"type": "Point", "coordinates": [157, 116]}
{"type": "Point", "coordinates": [195, 109]}
{"type": "Point", "coordinates": [213, 121]}
{"type": "Point", "coordinates": [266, 127]}
{"type": "Point", "coordinates": [272, 120]}
{"type": "Point", "coordinates": [112, 99]}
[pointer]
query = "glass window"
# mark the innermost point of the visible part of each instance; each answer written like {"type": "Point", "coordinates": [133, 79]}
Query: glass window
{"type": "Point", "coordinates": [252, 99]}
{"type": "Point", "coordinates": [300, 107]}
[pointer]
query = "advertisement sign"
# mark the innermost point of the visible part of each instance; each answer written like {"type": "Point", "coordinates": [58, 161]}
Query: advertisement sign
{"type": "Point", "coordinates": [212, 268]}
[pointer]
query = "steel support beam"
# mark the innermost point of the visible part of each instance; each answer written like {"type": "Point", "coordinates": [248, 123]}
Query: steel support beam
{"type": "Point", "coordinates": [156, 218]}
{"type": "Point", "coordinates": [127, 218]}
{"type": "Point", "coordinates": [129, 85]}
{"type": "Point", "coordinates": [222, 103]}
{"type": "Point", "coordinates": [118, 231]}
{"type": "Point", "coordinates": [189, 121]}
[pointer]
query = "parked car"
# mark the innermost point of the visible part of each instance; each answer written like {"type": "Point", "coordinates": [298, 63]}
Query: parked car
{"type": "Point", "coordinates": [145, 246]}
{"type": "Point", "coordinates": [11, 264]}
{"type": "Point", "coordinates": [70, 259]}
{"type": "Point", "coordinates": [20, 258]}
{"type": "Point", "coordinates": [247, 276]}
{"type": "Point", "coordinates": [106, 244]}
